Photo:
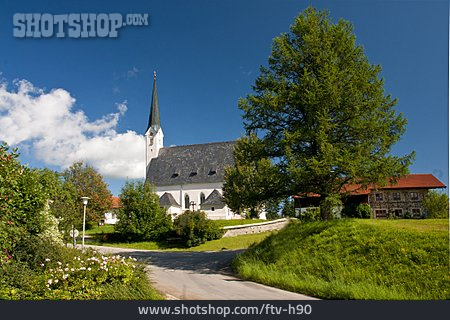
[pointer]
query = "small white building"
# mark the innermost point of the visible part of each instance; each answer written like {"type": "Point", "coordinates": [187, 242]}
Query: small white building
{"type": "Point", "coordinates": [187, 177]}
{"type": "Point", "coordinates": [110, 218]}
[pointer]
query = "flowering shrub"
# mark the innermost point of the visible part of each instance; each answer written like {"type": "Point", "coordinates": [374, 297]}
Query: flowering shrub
{"type": "Point", "coordinates": [33, 262]}
{"type": "Point", "coordinates": [83, 277]}
{"type": "Point", "coordinates": [77, 276]}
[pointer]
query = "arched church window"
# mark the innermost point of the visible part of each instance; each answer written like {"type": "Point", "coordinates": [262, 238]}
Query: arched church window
{"type": "Point", "coordinates": [186, 201]}
{"type": "Point", "coordinates": [202, 197]}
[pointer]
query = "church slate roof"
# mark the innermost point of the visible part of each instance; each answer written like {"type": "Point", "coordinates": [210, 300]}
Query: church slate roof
{"type": "Point", "coordinates": [214, 198]}
{"type": "Point", "coordinates": [167, 200]}
{"type": "Point", "coordinates": [197, 163]}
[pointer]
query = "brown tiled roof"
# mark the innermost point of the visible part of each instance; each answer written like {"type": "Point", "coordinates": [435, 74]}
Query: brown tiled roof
{"type": "Point", "coordinates": [427, 181]}
{"type": "Point", "coordinates": [411, 181]}
{"type": "Point", "coordinates": [115, 203]}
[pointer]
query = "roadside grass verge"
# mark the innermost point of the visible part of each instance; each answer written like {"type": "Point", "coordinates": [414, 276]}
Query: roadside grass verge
{"type": "Point", "coordinates": [135, 290]}
{"type": "Point", "coordinates": [354, 259]}
{"type": "Point", "coordinates": [227, 243]}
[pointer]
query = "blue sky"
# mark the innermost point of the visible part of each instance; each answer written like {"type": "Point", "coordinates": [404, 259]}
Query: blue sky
{"type": "Point", "coordinates": [207, 55]}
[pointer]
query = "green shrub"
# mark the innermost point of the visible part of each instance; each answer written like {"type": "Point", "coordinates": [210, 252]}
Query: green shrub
{"type": "Point", "coordinates": [310, 214]}
{"type": "Point", "coordinates": [354, 210]}
{"type": "Point", "coordinates": [22, 200]}
{"type": "Point", "coordinates": [288, 208]}
{"type": "Point", "coordinates": [363, 211]}
{"type": "Point", "coordinates": [435, 205]}
{"type": "Point", "coordinates": [71, 274]}
{"type": "Point", "coordinates": [140, 217]}
{"type": "Point", "coordinates": [273, 208]}
{"type": "Point", "coordinates": [331, 207]}
{"type": "Point", "coordinates": [194, 228]}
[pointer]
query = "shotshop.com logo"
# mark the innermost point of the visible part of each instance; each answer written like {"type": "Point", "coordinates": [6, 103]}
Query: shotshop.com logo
{"type": "Point", "coordinates": [75, 25]}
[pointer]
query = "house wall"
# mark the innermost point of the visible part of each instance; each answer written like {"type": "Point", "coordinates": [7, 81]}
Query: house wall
{"type": "Point", "coordinates": [406, 203]}
{"type": "Point", "coordinates": [194, 191]}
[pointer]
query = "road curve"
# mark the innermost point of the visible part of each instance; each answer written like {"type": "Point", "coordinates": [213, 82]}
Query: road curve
{"type": "Point", "coordinates": [200, 276]}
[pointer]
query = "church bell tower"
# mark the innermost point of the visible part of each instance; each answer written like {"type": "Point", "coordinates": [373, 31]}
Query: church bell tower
{"type": "Point", "coordinates": [153, 135]}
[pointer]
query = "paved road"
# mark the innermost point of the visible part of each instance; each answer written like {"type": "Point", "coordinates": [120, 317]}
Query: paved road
{"type": "Point", "coordinates": [201, 276]}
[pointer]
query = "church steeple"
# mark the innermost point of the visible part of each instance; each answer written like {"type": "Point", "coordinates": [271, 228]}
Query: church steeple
{"type": "Point", "coordinates": [154, 135]}
{"type": "Point", "coordinates": [153, 119]}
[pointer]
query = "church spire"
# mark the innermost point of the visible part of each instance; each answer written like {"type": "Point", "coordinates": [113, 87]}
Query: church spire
{"type": "Point", "coordinates": [153, 120]}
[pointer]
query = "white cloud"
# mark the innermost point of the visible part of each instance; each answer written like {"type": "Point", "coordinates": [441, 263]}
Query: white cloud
{"type": "Point", "coordinates": [56, 134]}
{"type": "Point", "coordinates": [132, 73]}
{"type": "Point", "coordinates": [122, 107]}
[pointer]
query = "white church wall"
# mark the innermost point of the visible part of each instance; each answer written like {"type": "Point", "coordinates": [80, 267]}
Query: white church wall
{"type": "Point", "coordinates": [194, 191]}
{"type": "Point", "coordinates": [173, 211]}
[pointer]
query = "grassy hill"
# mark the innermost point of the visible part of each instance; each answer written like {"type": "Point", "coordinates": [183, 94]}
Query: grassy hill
{"type": "Point", "coordinates": [354, 259]}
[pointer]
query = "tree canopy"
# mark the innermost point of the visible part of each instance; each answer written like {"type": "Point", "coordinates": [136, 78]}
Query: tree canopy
{"type": "Point", "coordinates": [253, 180]}
{"type": "Point", "coordinates": [320, 113]}
{"type": "Point", "coordinates": [64, 200]}
{"type": "Point", "coordinates": [22, 202]}
{"type": "Point", "coordinates": [141, 217]}
{"type": "Point", "coordinates": [89, 183]}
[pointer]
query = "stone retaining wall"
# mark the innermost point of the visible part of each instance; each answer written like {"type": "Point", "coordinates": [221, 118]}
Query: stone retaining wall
{"type": "Point", "coordinates": [232, 231]}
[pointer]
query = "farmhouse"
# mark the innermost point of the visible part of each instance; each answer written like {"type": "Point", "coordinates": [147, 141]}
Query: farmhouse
{"type": "Point", "coordinates": [187, 177]}
{"type": "Point", "coordinates": [400, 200]}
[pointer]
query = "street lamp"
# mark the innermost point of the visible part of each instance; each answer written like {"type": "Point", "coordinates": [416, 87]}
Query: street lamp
{"type": "Point", "coordinates": [85, 202]}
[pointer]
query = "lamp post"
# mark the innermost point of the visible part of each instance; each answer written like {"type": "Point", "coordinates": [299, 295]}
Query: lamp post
{"type": "Point", "coordinates": [85, 202]}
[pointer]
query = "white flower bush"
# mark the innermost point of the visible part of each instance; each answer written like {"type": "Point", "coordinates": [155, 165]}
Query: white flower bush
{"type": "Point", "coordinates": [83, 277]}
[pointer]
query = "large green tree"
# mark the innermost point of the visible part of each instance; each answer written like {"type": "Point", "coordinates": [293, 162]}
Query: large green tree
{"type": "Point", "coordinates": [252, 180]}
{"type": "Point", "coordinates": [89, 183]}
{"type": "Point", "coordinates": [141, 217]}
{"type": "Point", "coordinates": [321, 111]}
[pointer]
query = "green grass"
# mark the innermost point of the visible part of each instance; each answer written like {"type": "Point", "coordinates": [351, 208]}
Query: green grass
{"type": "Point", "coordinates": [94, 229]}
{"type": "Point", "coordinates": [100, 229]}
{"type": "Point", "coordinates": [226, 223]}
{"type": "Point", "coordinates": [140, 289]}
{"type": "Point", "coordinates": [354, 259]}
{"type": "Point", "coordinates": [227, 243]}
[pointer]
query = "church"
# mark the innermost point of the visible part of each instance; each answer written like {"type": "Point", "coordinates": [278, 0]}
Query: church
{"type": "Point", "coordinates": [187, 177]}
